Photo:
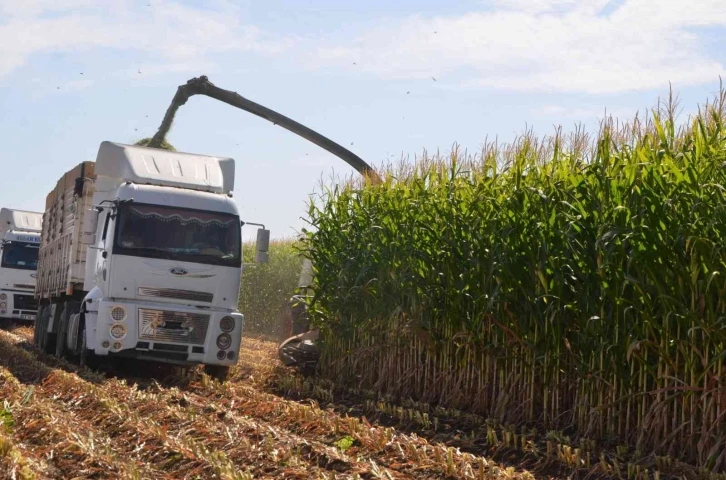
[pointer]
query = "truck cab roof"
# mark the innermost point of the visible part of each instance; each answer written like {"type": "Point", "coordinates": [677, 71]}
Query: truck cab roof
{"type": "Point", "coordinates": [22, 220]}
{"type": "Point", "coordinates": [152, 166]}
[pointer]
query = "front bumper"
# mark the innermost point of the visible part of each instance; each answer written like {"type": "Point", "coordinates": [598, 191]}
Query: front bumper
{"type": "Point", "coordinates": [165, 332]}
{"type": "Point", "coordinates": [25, 308]}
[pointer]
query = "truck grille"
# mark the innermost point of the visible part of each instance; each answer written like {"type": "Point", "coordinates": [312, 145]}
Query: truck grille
{"type": "Point", "coordinates": [175, 293]}
{"type": "Point", "coordinates": [24, 302]}
{"type": "Point", "coordinates": [177, 327]}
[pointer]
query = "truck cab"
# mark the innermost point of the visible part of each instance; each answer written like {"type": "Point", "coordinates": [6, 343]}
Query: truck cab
{"type": "Point", "coordinates": [163, 276]}
{"type": "Point", "coordinates": [20, 236]}
{"type": "Point", "coordinates": [162, 267]}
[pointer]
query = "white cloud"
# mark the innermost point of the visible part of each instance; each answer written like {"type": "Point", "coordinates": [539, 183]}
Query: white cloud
{"type": "Point", "coordinates": [554, 45]}
{"type": "Point", "coordinates": [32, 8]}
{"type": "Point", "coordinates": [167, 31]}
{"type": "Point", "coordinates": [549, 6]}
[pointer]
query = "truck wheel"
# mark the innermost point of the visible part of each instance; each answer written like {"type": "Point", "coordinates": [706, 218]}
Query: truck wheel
{"type": "Point", "coordinates": [50, 339]}
{"type": "Point", "coordinates": [38, 325]}
{"type": "Point", "coordinates": [61, 335]}
{"type": "Point", "coordinates": [218, 372]}
{"type": "Point", "coordinates": [69, 308]}
{"type": "Point", "coordinates": [83, 355]}
{"type": "Point", "coordinates": [46, 341]}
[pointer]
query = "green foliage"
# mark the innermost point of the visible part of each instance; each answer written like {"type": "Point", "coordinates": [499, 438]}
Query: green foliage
{"type": "Point", "coordinates": [345, 443]}
{"type": "Point", "coordinates": [7, 421]}
{"type": "Point", "coordinates": [164, 144]}
{"type": "Point", "coordinates": [267, 287]}
{"type": "Point", "coordinates": [569, 282]}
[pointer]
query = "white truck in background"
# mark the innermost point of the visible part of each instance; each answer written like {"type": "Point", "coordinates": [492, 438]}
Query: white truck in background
{"type": "Point", "coordinates": [20, 235]}
{"type": "Point", "coordinates": [141, 256]}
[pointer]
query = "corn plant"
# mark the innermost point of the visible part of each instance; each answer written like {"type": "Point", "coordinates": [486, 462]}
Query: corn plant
{"type": "Point", "coordinates": [575, 282]}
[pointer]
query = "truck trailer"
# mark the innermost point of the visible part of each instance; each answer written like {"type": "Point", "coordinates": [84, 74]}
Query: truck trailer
{"type": "Point", "coordinates": [20, 235]}
{"type": "Point", "coordinates": [141, 257]}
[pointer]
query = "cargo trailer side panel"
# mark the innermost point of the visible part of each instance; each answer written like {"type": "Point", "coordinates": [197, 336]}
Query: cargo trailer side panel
{"type": "Point", "coordinates": [62, 257]}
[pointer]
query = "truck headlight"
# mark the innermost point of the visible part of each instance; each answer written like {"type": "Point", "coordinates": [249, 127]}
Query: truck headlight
{"type": "Point", "coordinates": [118, 313]}
{"type": "Point", "coordinates": [224, 341]}
{"type": "Point", "coordinates": [117, 331]}
{"type": "Point", "coordinates": [3, 296]}
{"type": "Point", "coordinates": [226, 324]}
{"type": "Point", "coordinates": [3, 304]}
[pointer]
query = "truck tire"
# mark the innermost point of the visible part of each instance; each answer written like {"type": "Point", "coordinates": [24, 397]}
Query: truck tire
{"type": "Point", "coordinates": [82, 350]}
{"type": "Point", "coordinates": [46, 341]}
{"type": "Point", "coordinates": [38, 325]}
{"type": "Point", "coordinates": [217, 372]}
{"type": "Point", "coordinates": [69, 308]}
{"type": "Point", "coordinates": [61, 335]}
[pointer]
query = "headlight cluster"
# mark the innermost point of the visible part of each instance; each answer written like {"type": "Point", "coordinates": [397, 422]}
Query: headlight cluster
{"type": "Point", "coordinates": [118, 330]}
{"type": "Point", "coordinates": [118, 313]}
{"type": "Point", "coordinates": [226, 324]}
{"type": "Point", "coordinates": [3, 296]}
{"type": "Point", "coordinates": [224, 340]}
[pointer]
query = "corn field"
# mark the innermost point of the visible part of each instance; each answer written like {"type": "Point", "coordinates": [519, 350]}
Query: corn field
{"type": "Point", "coordinates": [573, 283]}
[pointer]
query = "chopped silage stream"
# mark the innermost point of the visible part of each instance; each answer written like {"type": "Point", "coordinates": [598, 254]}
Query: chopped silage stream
{"type": "Point", "coordinates": [67, 422]}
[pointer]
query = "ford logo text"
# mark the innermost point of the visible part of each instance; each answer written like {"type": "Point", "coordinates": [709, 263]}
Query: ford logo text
{"type": "Point", "coordinates": [178, 271]}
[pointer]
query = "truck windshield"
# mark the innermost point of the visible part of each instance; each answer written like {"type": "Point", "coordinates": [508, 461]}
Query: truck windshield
{"type": "Point", "coordinates": [156, 231]}
{"type": "Point", "coordinates": [20, 255]}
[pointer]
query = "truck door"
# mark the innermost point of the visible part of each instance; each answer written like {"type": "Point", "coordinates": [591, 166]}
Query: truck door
{"type": "Point", "coordinates": [104, 246]}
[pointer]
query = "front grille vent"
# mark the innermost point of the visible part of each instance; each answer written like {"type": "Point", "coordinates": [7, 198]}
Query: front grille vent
{"type": "Point", "coordinates": [175, 293]}
{"type": "Point", "coordinates": [174, 327]}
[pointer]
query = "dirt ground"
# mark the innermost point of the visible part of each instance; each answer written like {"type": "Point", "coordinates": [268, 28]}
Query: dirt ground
{"type": "Point", "coordinates": [141, 420]}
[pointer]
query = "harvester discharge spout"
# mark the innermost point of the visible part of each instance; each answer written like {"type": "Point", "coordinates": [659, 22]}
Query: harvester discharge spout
{"type": "Point", "coordinates": [202, 86]}
{"type": "Point", "coordinates": [299, 349]}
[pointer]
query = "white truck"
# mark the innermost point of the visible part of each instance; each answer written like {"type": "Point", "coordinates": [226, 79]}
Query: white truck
{"type": "Point", "coordinates": [141, 256]}
{"type": "Point", "coordinates": [20, 235]}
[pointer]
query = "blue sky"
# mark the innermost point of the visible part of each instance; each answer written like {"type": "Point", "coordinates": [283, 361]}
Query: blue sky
{"type": "Point", "coordinates": [69, 79]}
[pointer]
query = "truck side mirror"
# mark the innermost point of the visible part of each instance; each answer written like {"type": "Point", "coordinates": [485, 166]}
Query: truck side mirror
{"type": "Point", "coordinates": [90, 222]}
{"type": "Point", "coordinates": [263, 245]}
